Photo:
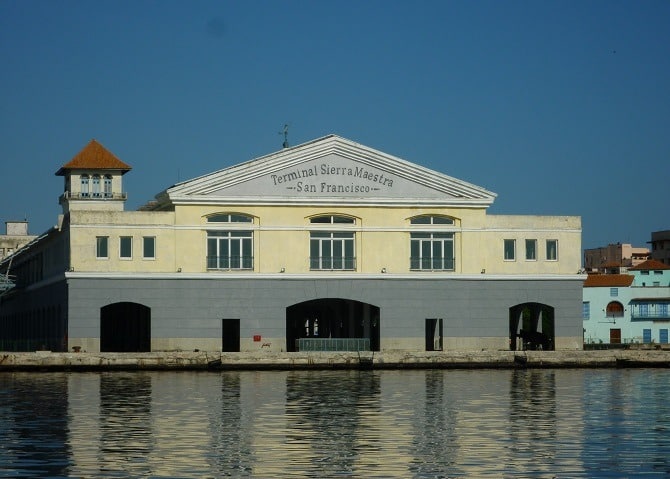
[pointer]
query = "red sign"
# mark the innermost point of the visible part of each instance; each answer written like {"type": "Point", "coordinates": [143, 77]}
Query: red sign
{"type": "Point", "coordinates": [257, 338]}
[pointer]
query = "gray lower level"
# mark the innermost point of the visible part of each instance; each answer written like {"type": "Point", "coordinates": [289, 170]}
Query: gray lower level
{"type": "Point", "coordinates": [189, 314]}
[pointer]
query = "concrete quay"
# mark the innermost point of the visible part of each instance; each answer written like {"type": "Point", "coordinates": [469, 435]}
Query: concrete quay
{"type": "Point", "coordinates": [200, 360]}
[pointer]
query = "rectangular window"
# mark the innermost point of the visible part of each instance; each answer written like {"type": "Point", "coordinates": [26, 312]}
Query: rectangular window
{"type": "Point", "coordinates": [663, 336]}
{"type": "Point", "coordinates": [126, 247]}
{"type": "Point", "coordinates": [646, 336]}
{"type": "Point", "coordinates": [432, 251]}
{"type": "Point", "coordinates": [510, 249]}
{"type": "Point", "coordinates": [552, 250]}
{"type": "Point", "coordinates": [531, 250]}
{"type": "Point", "coordinates": [614, 292]}
{"type": "Point", "coordinates": [95, 180]}
{"type": "Point", "coordinates": [149, 247]}
{"type": "Point", "coordinates": [663, 310]}
{"type": "Point", "coordinates": [331, 251]}
{"type": "Point", "coordinates": [644, 273]}
{"type": "Point", "coordinates": [108, 186]}
{"type": "Point", "coordinates": [586, 310]}
{"type": "Point", "coordinates": [101, 247]}
{"type": "Point", "coordinates": [230, 250]}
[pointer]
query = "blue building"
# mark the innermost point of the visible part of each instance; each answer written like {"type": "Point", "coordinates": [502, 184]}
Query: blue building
{"type": "Point", "coordinates": [628, 308]}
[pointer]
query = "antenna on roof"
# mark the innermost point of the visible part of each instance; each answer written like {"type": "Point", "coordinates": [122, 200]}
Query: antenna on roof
{"type": "Point", "coordinates": [285, 133]}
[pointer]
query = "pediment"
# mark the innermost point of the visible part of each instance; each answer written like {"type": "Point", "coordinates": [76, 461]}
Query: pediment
{"type": "Point", "coordinates": [330, 169]}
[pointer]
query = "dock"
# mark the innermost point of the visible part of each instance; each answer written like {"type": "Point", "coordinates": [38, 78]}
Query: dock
{"type": "Point", "coordinates": [266, 360]}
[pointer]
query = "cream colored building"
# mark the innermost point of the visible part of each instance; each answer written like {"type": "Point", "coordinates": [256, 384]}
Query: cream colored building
{"type": "Point", "coordinates": [326, 245]}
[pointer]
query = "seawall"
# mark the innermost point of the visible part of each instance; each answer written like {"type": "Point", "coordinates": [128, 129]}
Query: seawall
{"type": "Point", "coordinates": [171, 360]}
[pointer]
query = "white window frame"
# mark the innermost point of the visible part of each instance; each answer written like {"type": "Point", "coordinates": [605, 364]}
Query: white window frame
{"type": "Point", "coordinates": [549, 250]}
{"type": "Point", "coordinates": [332, 251]}
{"type": "Point", "coordinates": [121, 247]}
{"type": "Point", "coordinates": [144, 247]}
{"type": "Point", "coordinates": [432, 251]}
{"type": "Point", "coordinates": [230, 250]}
{"type": "Point", "coordinates": [99, 242]}
{"type": "Point", "coordinates": [84, 184]}
{"type": "Point", "coordinates": [506, 242]}
{"type": "Point", "coordinates": [532, 242]}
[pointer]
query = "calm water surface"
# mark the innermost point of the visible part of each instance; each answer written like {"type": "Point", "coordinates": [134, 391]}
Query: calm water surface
{"type": "Point", "coordinates": [367, 424]}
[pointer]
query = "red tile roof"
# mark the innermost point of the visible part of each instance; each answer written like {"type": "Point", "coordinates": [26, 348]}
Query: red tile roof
{"type": "Point", "coordinates": [608, 280]}
{"type": "Point", "coordinates": [94, 156]}
{"type": "Point", "coordinates": [650, 264]}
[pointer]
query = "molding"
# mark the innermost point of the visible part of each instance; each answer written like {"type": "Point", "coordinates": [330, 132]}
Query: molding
{"type": "Point", "coordinates": [326, 276]}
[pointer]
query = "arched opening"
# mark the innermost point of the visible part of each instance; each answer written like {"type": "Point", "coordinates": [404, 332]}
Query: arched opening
{"type": "Point", "coordinates": [332, 318]}
{"type": "Point", "coordinates": [614, 309]}
{"type": "Point", "coordinates": [531, 326]}
{"type": "Point", "coordinates": [125, 327]}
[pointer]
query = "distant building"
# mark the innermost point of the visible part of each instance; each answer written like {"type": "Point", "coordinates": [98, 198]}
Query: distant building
{"type": "Point", "coordinates": [660, 246]}
{"type": "Point", "coordinates": [614, 258]}
{"type": "Point", "coordinates": [628, 308]}
{"type": "Point", "coordinates": [16, 237]}
{"type": "Point", "coordinates": [325, 245]}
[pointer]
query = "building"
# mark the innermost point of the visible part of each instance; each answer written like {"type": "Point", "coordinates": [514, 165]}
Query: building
{"type": "Point", "coordinates": [16, 236]}
{"type": "Point", "coordinates": [614, 258]}
{"type": "Point", "coordinates": [660, 246]}
{"type": "Point", "coordinates": [326, 245]}
{"type": "Point", "coordinates": [628, 308]}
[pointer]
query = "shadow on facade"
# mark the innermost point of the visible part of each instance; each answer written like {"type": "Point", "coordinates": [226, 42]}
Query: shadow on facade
{"type": "Point", "coordinates": [125, 328]}
{"type": "Point", "coordinates": [332, 318]}
{"type": "Point", "coordinates": [531, 326]}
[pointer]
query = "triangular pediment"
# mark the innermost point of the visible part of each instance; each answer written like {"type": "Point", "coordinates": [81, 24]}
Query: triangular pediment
{"type": "Point", "coordinates": [328, 170]}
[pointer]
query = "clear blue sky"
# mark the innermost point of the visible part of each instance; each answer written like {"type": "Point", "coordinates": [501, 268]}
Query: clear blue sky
{"type": "Point", "coordinates": [561, 108]}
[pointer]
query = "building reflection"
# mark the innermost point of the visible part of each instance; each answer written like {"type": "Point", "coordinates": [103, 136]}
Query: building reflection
{"type": "Point", "coordinates": [230, 429]}
{"type": "Point", "coordinates": [325, 413]}
{"type": "Point", "coordinates": [33, 425]}
{"type": "Point", "coordinates": [126, 436]}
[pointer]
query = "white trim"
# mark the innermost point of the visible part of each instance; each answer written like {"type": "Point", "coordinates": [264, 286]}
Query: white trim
{"type": "Point", "coordinates": [327, 276]}
{"type": "Point", "coordinates": [308, 226]}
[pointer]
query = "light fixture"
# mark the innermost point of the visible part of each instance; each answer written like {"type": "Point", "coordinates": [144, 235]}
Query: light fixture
{"type": "Point", "coordinates": [383, 270]}
{"type": "Point", "coordinates": [178, 270]}
{"type": "Point", "coordinates": [483, 270]}
{"type": "Point", "coordinates": [282, 270]}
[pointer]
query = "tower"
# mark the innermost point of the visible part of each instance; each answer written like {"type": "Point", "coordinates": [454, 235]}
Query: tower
{"type": "Point", "coordinates": [93, 180]}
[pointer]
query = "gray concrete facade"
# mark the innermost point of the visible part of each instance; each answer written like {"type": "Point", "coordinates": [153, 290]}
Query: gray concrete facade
{"type": "Point", "coordinates": [187, 313]}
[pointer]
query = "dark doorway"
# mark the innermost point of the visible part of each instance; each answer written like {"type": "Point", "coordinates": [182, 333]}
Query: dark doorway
{"type": "Point", "coordinates": [433, 334]}
{"type": "Point", "coordinates": [332, 318]}
{"type": "Point", "coordinates": [230, 335]}
{"type": "Point", "coordinates": [531, 326]}
{"type": "Point", "coordinates": [125, 328]}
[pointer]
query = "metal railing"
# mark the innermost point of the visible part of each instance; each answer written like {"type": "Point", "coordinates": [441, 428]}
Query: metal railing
{"type": "Point", "coordinates": [94, 196]}
{"type": "Point", "coordinates": [230, 262]}
{"type": "Point", "coordinates": [332, 344]}
{"type": "Point", "coordinates": [332, 263]}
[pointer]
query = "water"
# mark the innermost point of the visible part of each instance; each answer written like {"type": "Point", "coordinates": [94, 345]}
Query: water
{"type": "Point", "coordinates": [363, 424]}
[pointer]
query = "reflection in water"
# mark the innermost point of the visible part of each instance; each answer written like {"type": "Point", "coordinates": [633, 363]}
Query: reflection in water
{"type": "Point", "coordinates": [33, 425]}
{"type": "Point", "coordinates": [325, 413]}
{"type": "Point", "coordinates": [420, 424]}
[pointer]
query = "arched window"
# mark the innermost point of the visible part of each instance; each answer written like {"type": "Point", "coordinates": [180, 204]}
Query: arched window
{"type": "Point", "coordinates": [332, 249]}
{"type": "Point", "coordinates": [229, 218]}
{"type": "Point", "coordinates": [332, 219]}
{"type": "Point", "coordinates": [431, 220]}
{"type": "Point", "coordinates": [432, 250]}
{"type": "Point", "coordinates": [233, 249]}
{"type": "Point", "coordinates": [614, 309]}
{"type": "Point", "coordinates": [84, 186]}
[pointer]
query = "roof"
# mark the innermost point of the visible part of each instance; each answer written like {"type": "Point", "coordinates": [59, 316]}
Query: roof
{"type": "Point", "coordinates": [326, 170]}
{"type": "Point", "coordinates": [608, 280]}
{"type": "Point", "coordinates": [650, 264]}
{"type": "Point", "coordinates": [94, 156]}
